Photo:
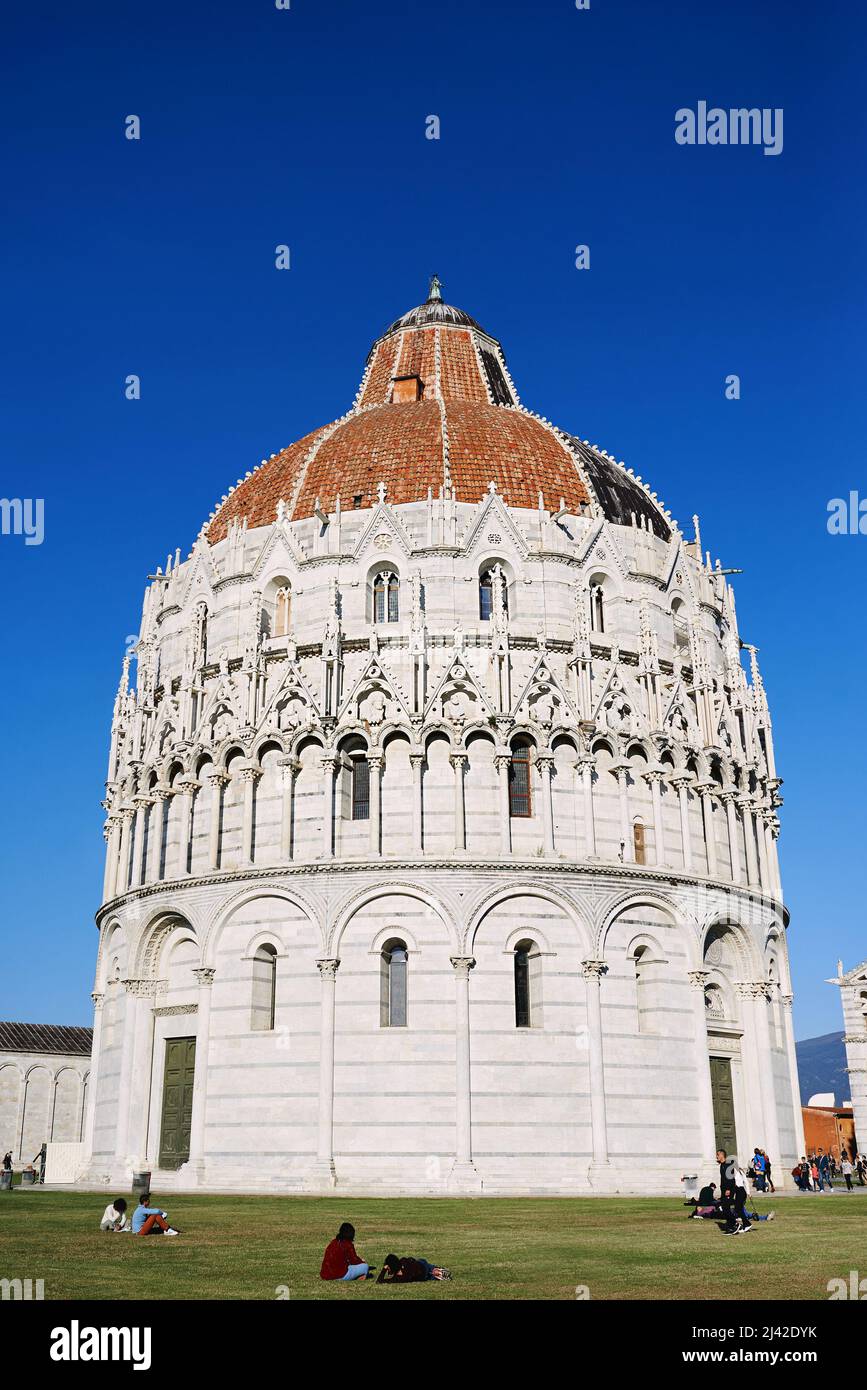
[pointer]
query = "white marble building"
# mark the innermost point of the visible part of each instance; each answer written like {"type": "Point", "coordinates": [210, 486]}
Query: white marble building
{"type": "Point", "coordinates": [44, 1075]}
{"type": "Point", "coordinates": [853, 996]}
{"type": "Point", "coordinates": [442, 821]}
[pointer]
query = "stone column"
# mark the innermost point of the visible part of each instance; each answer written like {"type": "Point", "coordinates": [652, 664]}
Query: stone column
{"type": "Point", "coordinates": [161, 794]}
{"type": "Point", "coordinates": [417, 764]}
{"type": "Point", "coordinates": [755, 997]}
{"type": "Point", "coordinates": [324, 1169]}
{"type": "Point", "coordinates": [729, 799]}
{"type": "Point", "coordinates": [187, 789]}
{"type": "Point", "coordinates": [792, 1060]}
{"type": "Point", "coordinates": [593, 971]}
{"type": "Point", "coordinates": [587, 763]}
{"type": "Point", "coordinates": [196, 1160]}
{"type": "Point", "coordinates": [463, 1170]}
{"type": "Point", "coordinates": [126, 818]}
{"type": "Point", "coordinates": [545, 764]}
{"type": "Point", "coordinates": [218, 781]}
{"type": "Point", "coordinates": [141, 803]}
{"type": "Point", "coordinates": [698, 981]}
{"type": "Point", "coordinates": [374, 762]}
{"type": "Point", "coordinates": [134, 1070]}
{"type": "Point", "coordinates": [706, 790]}
{"type": "Point", "coordinates": [654, 776]}
{"type": "Point", "coordinates": [746, 806]}
{"type": "Point", "coordinates": [459, 762]}
{"type": "Point", "coordinates": [328, 764]}
{"type": "Point", "coordinates": [249, 775]}
{"type": "Point", "coordinates": [772, 830]}
{"type": "Point", "coordinates": [93, 1081]}
{"type": "Point", "coordinates": [502, 762]}
{"type": "Point", "coordinates": [112, 859]}
{"type": "Point", "coordinates": [621, 771]}
{"type": "Point", "coordinates": [764, 867]}
{"type": "Point", "coordinates": [682, 784]}
{"type": "Point", "coordinates": [290, 769]}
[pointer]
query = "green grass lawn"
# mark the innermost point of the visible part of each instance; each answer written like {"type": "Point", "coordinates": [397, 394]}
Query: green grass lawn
{"type": "Point", "coordinates": [245, 1247]}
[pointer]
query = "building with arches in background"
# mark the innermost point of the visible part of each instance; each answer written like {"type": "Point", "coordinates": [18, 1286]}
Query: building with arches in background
{"type": "Point", "coordinates": [441, 821]}
{"type": "Point", "coordinates": [44, 1076]}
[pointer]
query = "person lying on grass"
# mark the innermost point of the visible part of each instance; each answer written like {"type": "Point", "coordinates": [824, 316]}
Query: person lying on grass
{"type": "Point", "coordinates": [151, 1221]}
{"type": "Point", "coordinates": [341, 1259]}
{"type": "Point", "coordinates": [114, 1216]}
{"type": "Point", "coordinates": [409, 1270]}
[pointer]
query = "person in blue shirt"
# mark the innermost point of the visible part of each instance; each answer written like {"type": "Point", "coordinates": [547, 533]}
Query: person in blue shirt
{"type": "Point", "coordinates": [151, 1221]}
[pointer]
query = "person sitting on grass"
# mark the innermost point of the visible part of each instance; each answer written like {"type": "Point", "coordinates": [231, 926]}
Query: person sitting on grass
{"type": "Point", "coordinates": [706, 1205]}
{"type": "Point", "coordinates": [114, 1216]}
{"type": "Point", "coordinates": [151, 1221]}
{"type": "Point", "coordinates": [341, 1259]}
{"type": "Point", "coordinates": [409, 1270]}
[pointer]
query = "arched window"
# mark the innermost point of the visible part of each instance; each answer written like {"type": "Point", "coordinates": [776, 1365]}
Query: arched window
{"type": "Point", "coordinates": [393, 985]}
{"type": "Point", "coordinates": [681, 630]}
{"type": "Point", "coordinates": [386, 597]}
{"type": "Point", "coordinates": [597, 611]}
{"type": "Point", "coordinates": [486, 596]}
{"type": "Point", "coordinates": [360, 788]}
{"type": "Point", "coordinates": [638, 842]}
{"type": "Point", "coordinates": [264, 989]}
{"type": "Point", "coordinates": [488, 580]}
{"type": "Point", "coordinates": [520, 793]}
{"type": "Point", "coordinates": [282, 611]}
{"type": "Point", "coordinates": [522, 985]}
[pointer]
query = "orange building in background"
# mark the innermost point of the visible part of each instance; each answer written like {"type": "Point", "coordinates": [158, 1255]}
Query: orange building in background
{"type": "Point", "coordinates": [831, 1128]}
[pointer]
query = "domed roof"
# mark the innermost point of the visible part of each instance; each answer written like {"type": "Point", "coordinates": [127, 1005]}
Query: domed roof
{"type": "Point", "coordinates": [436, 413]}
{"type": "Point", "coordinates": [433, 311]}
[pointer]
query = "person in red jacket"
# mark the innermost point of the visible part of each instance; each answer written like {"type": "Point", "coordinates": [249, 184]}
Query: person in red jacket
{"type": "Point", "coordinates": [341, 1259]}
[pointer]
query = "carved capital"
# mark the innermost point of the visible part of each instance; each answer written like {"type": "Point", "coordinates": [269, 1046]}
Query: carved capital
{"type": "Point", "coordinates": [205, 974]}
{"type": "Point", "coordinates": [753, 989]}
{"type": "Point", "coordinates": [459, 760]}
{"type": "Point", "coordinates": [698, 978]}
{"type": "Point", "coordinates": [98, 1000]}
{"type": "Point", "coordinates": [594, 969]}
{"type": "Point", "coordinates": [328, 968]}
{"type": "Point", "coordinates": [462, 966]}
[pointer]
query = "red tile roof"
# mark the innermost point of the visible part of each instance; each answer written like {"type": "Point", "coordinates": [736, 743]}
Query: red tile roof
{"type": "Point", "coordinates": [401, 443]}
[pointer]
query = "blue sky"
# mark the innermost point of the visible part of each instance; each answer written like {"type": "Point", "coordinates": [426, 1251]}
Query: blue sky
{"type": "Point", "coordinates": [307, 127]}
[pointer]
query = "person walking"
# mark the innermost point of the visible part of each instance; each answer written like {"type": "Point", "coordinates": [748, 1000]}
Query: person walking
{"type": "Point", "coordinates": [848, 1170]}
{"type": "Point", "coordinates": [824, 1163]}
{"type": "Point", "coordinates": [768, 1179]}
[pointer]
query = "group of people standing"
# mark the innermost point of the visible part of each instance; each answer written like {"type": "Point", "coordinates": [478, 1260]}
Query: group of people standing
{"type": "Point", "coordinates": [815, 1173]}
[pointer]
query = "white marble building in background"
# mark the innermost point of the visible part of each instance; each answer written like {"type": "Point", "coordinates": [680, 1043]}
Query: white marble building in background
{"type": "Point", "coordinates": [853, 996]}
{"type": "Point", "coordinates": [44, 1074]}
{"type": "Point", "coordinates": [441, 822]}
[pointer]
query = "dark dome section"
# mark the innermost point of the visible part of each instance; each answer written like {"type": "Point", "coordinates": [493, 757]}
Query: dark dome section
{"type": "Point", "coordinates": [619, 495]}
{"type": "Point", "coordinates": [433, 314]}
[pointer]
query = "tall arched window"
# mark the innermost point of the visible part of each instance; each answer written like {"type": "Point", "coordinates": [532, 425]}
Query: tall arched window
{"type": "Point", "coordinates": [522, 985]}
{"type": "Point", "coordinates": [520, 793]}
{"type": "Point", "coordinates": [282, 611]}
{"type": "Point", "coordinates": [386, 597]}
{"type": "Point", "coordinates": [638, 842]}
{"type": "Point", "coordinates": [681, 630]}
{"type": "Point", "coordinates": [597, 610]}
{"type": "Point", "coordinates": [393, 985]}
{"type": "Point", "coordinates": [486, 596]}
{"type": "Point", "coordinates": [488, 580]}
{"type": "Point", "coordinates": [360, 788]}
{"type": "Point", "coordinates": [264, 989]}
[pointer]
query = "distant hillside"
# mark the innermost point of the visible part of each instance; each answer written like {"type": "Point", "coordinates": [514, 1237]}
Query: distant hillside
{"type": "Point", "coordinates": [822, 1067]}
